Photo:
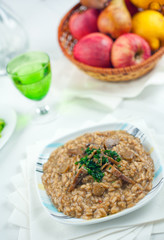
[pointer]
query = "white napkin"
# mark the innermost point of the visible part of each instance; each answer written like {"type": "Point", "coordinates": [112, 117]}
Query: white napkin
{"type": "Point", "coordinates": [43, 227]}
{"type": "Point", "coordinates": [19, 219]}
{"type": "Point", "coordinates": [74, 83]}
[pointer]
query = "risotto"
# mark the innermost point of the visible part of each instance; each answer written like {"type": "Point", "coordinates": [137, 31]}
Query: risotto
{"type": "Point", "coordinates": [98, 174]}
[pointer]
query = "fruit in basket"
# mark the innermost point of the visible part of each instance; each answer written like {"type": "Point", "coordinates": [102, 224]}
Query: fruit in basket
{"type": "Point", "coordinates": [81, 24]}
{"type": "Point", "coordinates": [131, 8]}
{"type": "Point", "coordinates": [99, 4]}
{"type": "Point", "coordinates": [94, 50]}
{"type": "Point", "coordinates": [115, 19]}
{"type": "Point", "coordinates": [129, 49]}
{"type": "Point", "coordinates": [149, 24]}
{"type": "Point", "coordinates": [145, 4]}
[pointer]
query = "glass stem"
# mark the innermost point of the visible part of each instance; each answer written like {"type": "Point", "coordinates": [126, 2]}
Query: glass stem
{"type": "Point", "coordinates": [42, 108]}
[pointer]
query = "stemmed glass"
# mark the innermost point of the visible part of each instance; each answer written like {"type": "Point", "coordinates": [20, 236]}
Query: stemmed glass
{"type": "Point", "coordinates": [13, 40]}
{"type": "Point", "coordinates": [31, 75]}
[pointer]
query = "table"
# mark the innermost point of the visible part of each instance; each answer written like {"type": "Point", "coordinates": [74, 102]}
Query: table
{"type": "Point", "coordinates": [41, 18]}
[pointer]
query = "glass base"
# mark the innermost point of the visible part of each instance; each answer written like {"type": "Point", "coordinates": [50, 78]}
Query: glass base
{"type": "Point", "coordinates": [44, 114]}
{"type": "Point", "coordinates": [43, 110]}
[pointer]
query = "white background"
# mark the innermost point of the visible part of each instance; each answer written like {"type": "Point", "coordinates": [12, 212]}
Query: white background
{"type": "Point", "coordinates": [40, 19]}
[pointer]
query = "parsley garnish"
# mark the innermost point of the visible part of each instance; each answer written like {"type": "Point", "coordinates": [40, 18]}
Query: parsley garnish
{"type": "Point", "coordinates": [2, 125]}
{"type": "Point", "coordinates": [93, 164]}
{"type": "Point", "coordinates": [113, 155]}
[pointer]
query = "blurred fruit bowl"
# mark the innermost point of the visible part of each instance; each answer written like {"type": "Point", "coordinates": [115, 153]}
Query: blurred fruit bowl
{"type": "Point", "coordinates": [67, 43]}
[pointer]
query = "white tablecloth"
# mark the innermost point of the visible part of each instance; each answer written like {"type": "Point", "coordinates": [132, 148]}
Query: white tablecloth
{"type": "Point", "coordinates": [41, 19]}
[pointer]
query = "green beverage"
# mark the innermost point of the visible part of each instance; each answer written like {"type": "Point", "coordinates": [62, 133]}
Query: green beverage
{"type": "Point", "coordinates": [31, 74]}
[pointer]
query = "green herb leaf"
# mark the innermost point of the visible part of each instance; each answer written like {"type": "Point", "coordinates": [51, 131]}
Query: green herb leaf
{"type": "Point", "coordinates": [113, 154]}
{"type": "Point", "coordinates": [2, 125]}
{"type": "Point", "coordinates": [92, 164]}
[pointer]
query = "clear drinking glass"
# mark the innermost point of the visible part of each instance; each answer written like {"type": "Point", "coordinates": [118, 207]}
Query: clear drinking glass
{"type": "Point", "coordinates": [31, 75]}
{"type": "Point", "coordinates": [13, 37]}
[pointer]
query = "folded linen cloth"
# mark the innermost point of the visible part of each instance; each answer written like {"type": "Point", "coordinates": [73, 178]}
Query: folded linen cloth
{"type": "Point", "coordinates": [71, 82]}
{"type": "Point", "coordinates": [22, 220]}
{"type": "Point", "coordinates": [42, 226]}
{"type": "Point", "coordinates": [19, 220]}
{"type": "Point", "coordinates": [17, 199]}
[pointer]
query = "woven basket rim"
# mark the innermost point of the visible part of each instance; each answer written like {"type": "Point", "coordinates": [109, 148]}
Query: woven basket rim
{"type": "Point", "coordinates": [113, 71]}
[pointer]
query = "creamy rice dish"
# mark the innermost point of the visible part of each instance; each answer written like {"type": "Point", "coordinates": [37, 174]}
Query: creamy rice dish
{"type": "Point", "coordinates": [98, 174]}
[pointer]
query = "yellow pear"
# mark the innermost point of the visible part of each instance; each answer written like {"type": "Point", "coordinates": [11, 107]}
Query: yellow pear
{"type": "Point", "coordinates": [98, 4]}
{"type": "Point", "coordinates": [115, 19]}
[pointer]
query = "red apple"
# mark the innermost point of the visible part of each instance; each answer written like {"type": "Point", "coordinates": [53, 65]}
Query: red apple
{"type": "Point", "coordinates": [129, 49]}
{"type": "Point", "coordinates": [81, 24]}
{"type": "Point", "coordinates": [132, 9]}
{"type": "Point", "coordinates": [94, 50]}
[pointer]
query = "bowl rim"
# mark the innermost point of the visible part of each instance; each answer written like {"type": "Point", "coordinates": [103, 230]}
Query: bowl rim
{"type": "Point", "coordinates": [113, 71]}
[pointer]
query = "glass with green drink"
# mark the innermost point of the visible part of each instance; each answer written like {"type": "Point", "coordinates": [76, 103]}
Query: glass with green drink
{"type": "Point", "coordinates": [31, 74]}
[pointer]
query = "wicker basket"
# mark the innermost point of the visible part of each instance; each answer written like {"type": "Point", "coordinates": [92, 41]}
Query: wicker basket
{"type": "Point", "coordinates": [67, 42]}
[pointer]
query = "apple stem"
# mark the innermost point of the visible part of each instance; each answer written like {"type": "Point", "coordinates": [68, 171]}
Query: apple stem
{"type": "Point", "coordinates": [138, 55]}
